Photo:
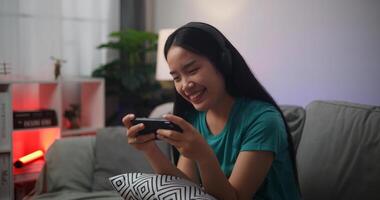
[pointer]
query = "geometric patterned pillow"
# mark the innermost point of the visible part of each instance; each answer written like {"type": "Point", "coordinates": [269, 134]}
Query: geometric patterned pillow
{"type": "Point", "coordinates": [143, 186]}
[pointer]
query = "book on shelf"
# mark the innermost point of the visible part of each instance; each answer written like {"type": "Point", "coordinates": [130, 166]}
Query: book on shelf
{"type": "Point", "coordinates": [5, 122]}
{"type": "Point", "coordinates": [34, 119]}
{"type": "Point", "coordinates": [6, 186]}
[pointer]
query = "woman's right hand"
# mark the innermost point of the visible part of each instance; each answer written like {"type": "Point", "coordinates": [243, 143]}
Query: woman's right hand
{"type": "Point", "coordinates": [140, 142]}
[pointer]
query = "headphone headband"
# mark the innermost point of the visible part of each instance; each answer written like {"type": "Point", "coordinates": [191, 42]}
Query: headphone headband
{"type": "Point", "coordinates": [209, 29]}
{"type": "Point", "coordinates": [225, 54]}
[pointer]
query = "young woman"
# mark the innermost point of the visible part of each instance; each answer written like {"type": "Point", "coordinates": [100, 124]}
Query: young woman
{"type": "Point", "coordinates": [235, 141]}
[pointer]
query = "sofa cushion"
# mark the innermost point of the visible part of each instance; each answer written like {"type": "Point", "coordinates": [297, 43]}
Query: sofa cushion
{"type": "Point", "coordinates": [71, 195]}
{"type": "Point", "coordinates": [338, 155]}
{"type": "Point", "coordinates": [69, 164]}
{"type": "Point", "coordinates": [295, 118]}
{"type": "Point", "coordinates": [115, 156]}
{"type": "Point", "coordinates": [159, 187]}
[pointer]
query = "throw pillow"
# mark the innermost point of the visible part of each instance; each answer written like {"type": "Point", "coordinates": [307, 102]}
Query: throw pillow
{"type": "Point", "coordinates": [152, 186]}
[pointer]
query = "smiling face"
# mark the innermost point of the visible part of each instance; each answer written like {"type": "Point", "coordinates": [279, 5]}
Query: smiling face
{"type": "Point", "coordinates": [196, 79]}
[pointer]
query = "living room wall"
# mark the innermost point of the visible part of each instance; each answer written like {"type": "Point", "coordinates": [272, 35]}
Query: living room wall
{"type": "Point", "coordinates": [300, 50]}
{"type": "Point", "coordinates": [33, 30]}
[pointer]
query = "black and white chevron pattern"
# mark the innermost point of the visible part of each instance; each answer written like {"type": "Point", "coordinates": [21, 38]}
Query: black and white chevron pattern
{"type": "Point", "coordinates": [141, 186]}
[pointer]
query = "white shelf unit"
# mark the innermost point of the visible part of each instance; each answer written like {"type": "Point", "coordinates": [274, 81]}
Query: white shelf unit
{"type": "Point", "coordinates": [25, 94]}
{"type": "Point", "coordinates": [88, 93]}
{"type": "Point", "coordinates": [6, 173]}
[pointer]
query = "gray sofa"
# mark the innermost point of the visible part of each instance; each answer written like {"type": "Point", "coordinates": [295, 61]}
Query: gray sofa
{"type": "Point", "coordinates": [337, 146]}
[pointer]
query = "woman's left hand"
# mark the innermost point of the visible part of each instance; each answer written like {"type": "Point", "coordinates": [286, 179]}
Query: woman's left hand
{"type": "Point", "coordinates": [189, 143]}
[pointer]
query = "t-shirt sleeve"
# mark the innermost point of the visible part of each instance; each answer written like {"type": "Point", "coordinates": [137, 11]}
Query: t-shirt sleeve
{"type": "Point", "coordinates": [266, 133]}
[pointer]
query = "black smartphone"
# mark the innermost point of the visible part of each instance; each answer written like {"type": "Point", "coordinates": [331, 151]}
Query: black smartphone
{"type": "Point", "coordinates": [152, 124]}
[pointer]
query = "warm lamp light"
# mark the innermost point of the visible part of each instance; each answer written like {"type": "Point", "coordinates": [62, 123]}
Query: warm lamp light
{"type": "Point", "coordinates": [28, 158]}
{"type": "Point", "coordinates": [162, 67]}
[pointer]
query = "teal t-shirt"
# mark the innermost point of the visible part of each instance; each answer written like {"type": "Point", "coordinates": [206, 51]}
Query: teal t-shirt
{"type": "Point", "coordinates": [253, 126]}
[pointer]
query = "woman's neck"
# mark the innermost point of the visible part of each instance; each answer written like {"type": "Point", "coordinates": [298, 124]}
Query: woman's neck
{"type": "Point", "coordinates": [217, 116]}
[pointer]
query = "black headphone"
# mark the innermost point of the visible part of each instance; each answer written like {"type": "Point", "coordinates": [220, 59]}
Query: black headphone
{"type": "Point", "coordinates": [225, 55]}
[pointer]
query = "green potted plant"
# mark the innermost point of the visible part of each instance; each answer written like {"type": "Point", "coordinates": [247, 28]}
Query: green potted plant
{"type": "Point", "coordinates": [130, 78]}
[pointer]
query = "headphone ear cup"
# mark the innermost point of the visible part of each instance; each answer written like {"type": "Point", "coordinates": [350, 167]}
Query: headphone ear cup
{"type": "Point", "coordinates": [226, 57]}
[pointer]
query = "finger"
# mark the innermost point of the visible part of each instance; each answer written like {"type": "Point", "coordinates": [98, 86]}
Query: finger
{"type": "Point", "coordinates": [133, 130]}
{"type": "Point", "coordinates": [176, 144]}
{"type": "Point", "coordinates": [179, 121]}
{"type": "Point", "coordinates": [131, 140]}
{"type": "Point", "coordinates": [127, 120]}
{"type": "Point", "coordinates": [144, 138]}
{"type": "Point", "coordinates": [173, 135]}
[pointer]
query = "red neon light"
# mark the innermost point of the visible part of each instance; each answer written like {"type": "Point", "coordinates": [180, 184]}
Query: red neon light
{"type": "Point", "coordinates": [27, 141]}
{"type": "Point", "coordinates": [28, 158]}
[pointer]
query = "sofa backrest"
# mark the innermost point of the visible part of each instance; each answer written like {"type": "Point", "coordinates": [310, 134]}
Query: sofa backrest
{"type": "Point", "coordinates": [339, 153]}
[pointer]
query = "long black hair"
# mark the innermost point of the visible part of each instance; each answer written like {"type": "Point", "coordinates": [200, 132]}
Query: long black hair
{"type": "Point", "coordinates": [206, 40]}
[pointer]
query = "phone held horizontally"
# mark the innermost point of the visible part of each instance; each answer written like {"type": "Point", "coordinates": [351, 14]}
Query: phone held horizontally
{"type": "Point", "coordinates": [152, 124]}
